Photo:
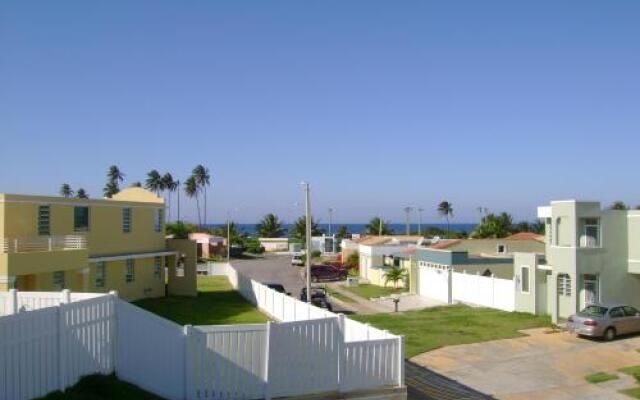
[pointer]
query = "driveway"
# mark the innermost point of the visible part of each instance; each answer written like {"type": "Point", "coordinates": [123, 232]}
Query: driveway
{"type": "Point", "coordinates": [540, 366]}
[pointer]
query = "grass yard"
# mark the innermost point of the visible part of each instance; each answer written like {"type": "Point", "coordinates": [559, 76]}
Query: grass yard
{"type": "Point", "coordinates": [101, 387]}
{"type": "Point", "coordinates": [634, 393]}
{"type": "Point", "coordinates": [368, 291]}
{"type": "Point", "coordinates": [217, 304]}
{"type": "Point", "coordinates": [431, 328]}
{"type": "Point", "coordinates": [600, 377]}
{"type": "Point", "coordinates": [339, 296]}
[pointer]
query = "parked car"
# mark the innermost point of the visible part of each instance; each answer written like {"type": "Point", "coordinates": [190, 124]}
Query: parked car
{"type": "Point", "coordinates": [605, 320]}
{"type": "Point", "coordinates": [318, 297]}
{"type": "Point", "coordinates": [278, 288]}
{"type": "Point", "coordinates": [326, 273]}
{"type": "Point", "coordinates": [297, 259]}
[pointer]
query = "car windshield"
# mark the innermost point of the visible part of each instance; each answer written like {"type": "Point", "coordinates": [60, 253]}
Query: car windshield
{"type": "Point", "coordinates": [593, 311]}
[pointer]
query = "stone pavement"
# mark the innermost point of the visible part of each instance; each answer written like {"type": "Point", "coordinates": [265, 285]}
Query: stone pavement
{"type": "Point", "coordinates": [540, 366]}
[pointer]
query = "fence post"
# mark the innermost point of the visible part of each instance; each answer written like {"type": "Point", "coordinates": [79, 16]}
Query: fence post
{"type": "Point", "coordinates": [65, 296]}
{"type": "Point", "coordinates": [401, 360]}
{"type": "Point", "coordinates": [114, 328]}
{"type": "Point", "coordinates": [13, 302]}
{"type": "Point", "coordinates": [50, 243]}
{"type": "Point", "coordinates": [188, 362]}
{"type": "Point", "coordinates": [267, 347]}
{"type": "Point", "coordinates": [368, 328]}
{"type": "Point", "coordinates": [342, 357]}
{"type": "Point", "coordinates": [62, 348]}
{"type": "Point", "coordinates": [493, 290]}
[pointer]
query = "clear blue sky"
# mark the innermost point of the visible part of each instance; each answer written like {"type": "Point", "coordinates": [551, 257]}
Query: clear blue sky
{"type": "Point", "coordinates": [502, 104]}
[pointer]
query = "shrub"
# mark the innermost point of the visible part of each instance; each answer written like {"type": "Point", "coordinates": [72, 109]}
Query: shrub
{"type": "Point", "coordinates": [353, 261]}
{"type": "Point", "coordinates": [316, 254]}
{"type": "Point", "coordinates": [252, 245]}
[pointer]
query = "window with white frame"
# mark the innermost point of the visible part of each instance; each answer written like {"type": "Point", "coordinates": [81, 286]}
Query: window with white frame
{"type": "Point", "coordinates": [564, 285]}
{"type": "Point", "coordinates": [126, 220]}
{"type": "Point", "coordinates": [58, 280]}
{"type": "Point", "coordinates": [158, 220]}
{"type": "Point", "coordinates": [101, 274]}
{"type": "Point", "coordinates": [591, 233]}
{"type": "Point", "coordinates": [524, 279]}
{"type": "Point", "coordinates": [44, 220]}
{"type": "Point", "coordinates": [157, 267]}
{"type": "Point", "coordinates": [130, 272]}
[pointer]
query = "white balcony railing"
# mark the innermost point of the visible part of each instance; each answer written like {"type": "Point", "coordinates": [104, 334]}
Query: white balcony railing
{"type": "Point", "coordinates": [44, 243]}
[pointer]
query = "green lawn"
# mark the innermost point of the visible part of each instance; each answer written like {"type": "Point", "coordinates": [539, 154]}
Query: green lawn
{"type": "Point", "coordinates": [600, 377]}
{"type": "Point", "coordinates": [101, 387]}
{"type": "Point", "coordinates": [368, 291]}
{"type": "Point", "coordinates": [339, 296]}
{"type": "Point", "coordinates": [432, 328]}
{"type": "Point", "coordinates": [633, 392]}
{"type": "Point", "coordinates": [217, 304]}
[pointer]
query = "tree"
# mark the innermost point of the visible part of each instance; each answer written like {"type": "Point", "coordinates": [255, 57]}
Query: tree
{"type": "Point", "coordinates": [233, 234]}
{"type": "Point", "coordinates": [299, 229]}
{"type": "Point", "coordinates": [378, 227]}
{"type": "Point", "coordinates": [618, 205]}
{"type": "Point", "coordinates": [114, 177]}
{"type": "Point", "coordinates": [82, 194]}
{"type": "Point", "coordinates": [395, 274]}
{"type": "Point", "coordinates": [353, 261]}
{"type": "Point", "coordinates": [65, 190]}
{"type": "Point", "coordinates": [270, 227]}
{"type": "Point", "coordinates": [191, 189]}
{"type": "Point", "coordinates": [342, 232]}
{"type": "Point", "coordinates": [114, 174]}
{"type": "Point", "coordinates": [154, 182]}
{"type": "Point", "coordinates": [445, 209]}
{"type": "Point", "coordinates": [253, 245]}
{"type": "Point", "coordinates": [170, 186]}
{"type": "Point", "coordinates": [179, 230]}
{"type": "Point", "coordinates": [494, 226]}
{"type": "Point", "coordinates": [136, 184]}
{"type": "Point", "coordinates": [202, 179]}
{"type": "Point", "coordinates": [110, 189]}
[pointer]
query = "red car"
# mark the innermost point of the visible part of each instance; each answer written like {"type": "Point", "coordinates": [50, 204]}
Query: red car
{"type": "Point", "coordinates": [327, 273]}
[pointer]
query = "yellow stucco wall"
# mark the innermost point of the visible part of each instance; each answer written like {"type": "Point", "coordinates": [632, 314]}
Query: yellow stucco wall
{"type": "Point", "coordinates": [183, 285]}
{"type": "Point", "coordinates": [376, 277]}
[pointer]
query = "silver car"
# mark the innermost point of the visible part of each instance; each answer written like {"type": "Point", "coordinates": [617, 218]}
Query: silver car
{"type": "Point", "coordinates": [605, 320]}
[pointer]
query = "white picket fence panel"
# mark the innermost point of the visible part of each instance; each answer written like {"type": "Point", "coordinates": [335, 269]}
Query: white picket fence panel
{"type": "Point", "coordinates": [311, 359]}
{"type": "Point", "coordinates": [434, 283]}
{"type": "Point", "coordinates": [228, 361]}
{"type": "Point", "coordinates": [372, 363]}
{"type": "Point", "coordinates": [150, 351]}
{"type": "Point", "coordinates": [51, 348]}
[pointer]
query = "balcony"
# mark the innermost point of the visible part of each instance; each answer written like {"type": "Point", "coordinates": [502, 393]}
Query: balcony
{"type": "Point", "coordinates": [44, 243]}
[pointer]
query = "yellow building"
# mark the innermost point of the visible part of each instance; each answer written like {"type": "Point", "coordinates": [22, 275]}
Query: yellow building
{"type": "Point", "coordinates": [92, 245]}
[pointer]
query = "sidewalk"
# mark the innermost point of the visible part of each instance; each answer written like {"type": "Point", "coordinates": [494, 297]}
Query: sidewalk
{"type": "Point", "coordinates": [361, 305]}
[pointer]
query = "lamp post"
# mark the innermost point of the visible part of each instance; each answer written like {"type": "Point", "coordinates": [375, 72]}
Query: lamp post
{"type": "Point", "coordinates": [229, 234]}
{"type": "Point", "coordinates": [407, 210]}
{"type": "Point", "coordinates": [420, 210]}
{"type": "Point", "coordinates": [330, 220]}
{"type": "Point", "coordinates": [307, 192]}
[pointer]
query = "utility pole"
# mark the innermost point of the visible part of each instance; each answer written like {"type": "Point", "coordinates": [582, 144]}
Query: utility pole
{"type": "Point", "coordinates": [379, 226]}
{"type": "Point", "coordinates": [420, 210]}
{"type": "Point", "coordinates": [307, 191]}
{"type": "Point", "coordinates": [228, 236]}
{"type": "Point", "coordinates": [178, 184]}
{"type": "Point", "coordinates": [407, 211]}
{"type": "Point", "coordinates": [330, 220]}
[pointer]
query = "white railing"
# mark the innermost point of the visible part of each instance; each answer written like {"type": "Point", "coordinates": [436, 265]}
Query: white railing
{"type": "Point", "coordinates": [14, 301]}
{"type": "Point", "coordinates": [44, 243]}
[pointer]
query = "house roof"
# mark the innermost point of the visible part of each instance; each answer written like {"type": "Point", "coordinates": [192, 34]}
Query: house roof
{"type": "Point", "coordinates": [380, 240]}
{"type": "Point", "coordinates": [444, 244]}
{"type": "Point", "coordinates": [526, 236]}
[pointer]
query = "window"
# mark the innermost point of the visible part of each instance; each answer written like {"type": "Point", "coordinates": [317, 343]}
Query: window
{"type": "Point", "coordinates": [524, 279]}
{"type": "Point", "coordinates": [126, 220]}
{"type": "Point", "coordinates": [556, 239]}
{"type": "Point", "coordinates": [44, 220]}
{"type": "Point", "coordinates": [81, 219]}
{"type": "Point", "coordinates": [101, 274]}
{"type": "Point", "coordinates": [157, 267]}
{"type": "Point", "coordinates": [616, 312]}
{"type": "Point", "coordinates": [591, 233]}
{"type": "Point", "coordinates": [130, 276]}
{"type": "Point", "coordinates": [58, 280]}
{"type": "Point", "coordinates": [501, 249]}
{"type": "Point", "coordinates": [158, 220]}
{"type": "Point", "coordinates": [564, 285]}
{"type": "Point", "coordinates": [630, 311]}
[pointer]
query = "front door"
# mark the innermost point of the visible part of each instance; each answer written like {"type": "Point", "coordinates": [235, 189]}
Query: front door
{"type": "Point", "coordinates": [591, 295]}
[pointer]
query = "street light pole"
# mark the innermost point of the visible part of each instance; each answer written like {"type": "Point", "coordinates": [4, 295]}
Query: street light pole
{"type": "Point", "coordinates": [330, 220]}
{"type": "Point", "coordinates": [407, 210]}
{"type": "Point", "coordinates": [307, 191]}
{"type": "Point", "coordinates": [420, 210]}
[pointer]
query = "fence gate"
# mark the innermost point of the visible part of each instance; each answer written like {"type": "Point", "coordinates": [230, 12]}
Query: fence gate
{"type": "Point", "coordinates": [303, 357]}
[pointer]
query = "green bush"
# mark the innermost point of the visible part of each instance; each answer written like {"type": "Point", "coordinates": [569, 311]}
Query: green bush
{"type": "Point", "coordinates": [252, 245]}
{"type": "Point", "coordinates": [316, 254]}
{"type": "Point", "coordinates": [353, 261]}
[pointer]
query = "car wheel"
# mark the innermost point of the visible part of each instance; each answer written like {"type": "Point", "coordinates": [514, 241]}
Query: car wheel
{"type": "Point", "coordinates": [609, 334]}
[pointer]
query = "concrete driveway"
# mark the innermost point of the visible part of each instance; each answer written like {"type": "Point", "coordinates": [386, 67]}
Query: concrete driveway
{"type": "Point", "coordinates": [540, 366]}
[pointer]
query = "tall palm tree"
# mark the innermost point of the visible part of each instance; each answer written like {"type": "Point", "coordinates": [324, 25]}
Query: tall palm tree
{"type": "Point", "coordinates": [191, 189]}
{"type": "Point", "coordinates": [270, 227]}
{"type": "Point", "coordinates": [170, 186]}
{"type": "Point", "coordinates": [114, 177]}
{"type": "Point", "coordinates": [202, 178]}
{"type": "Point", "coordinates": [377, 226]}
{"type": "Point", "coordinates": [65, 190]}
{"type": "Point", "coordinates": [154, 182]}
{"type": "Point", "coordinates": [445, 209]}
{"type": "Point", "coordinates": [82, 194]}
{"type": "Point", "coordinates": [177, 182]}
{"type": "Point", "coordinates": [110, 189]}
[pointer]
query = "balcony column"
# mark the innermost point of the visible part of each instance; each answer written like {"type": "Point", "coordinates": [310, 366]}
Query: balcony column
{"type": "Point", "coordinates": [85, 278]}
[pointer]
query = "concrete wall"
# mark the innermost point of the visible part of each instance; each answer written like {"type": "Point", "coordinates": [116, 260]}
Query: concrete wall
{"type": "Point", "coordinates": [490, 246]}
{"type": "Point", "coordinates": [526, 302]}
{"type": "Point", "coordinates": [186, 285]}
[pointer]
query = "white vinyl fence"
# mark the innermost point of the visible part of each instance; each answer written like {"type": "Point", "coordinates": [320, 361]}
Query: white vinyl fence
{"type": "Point", "coordinates": [50, 340]}
{"type": "Point", "coordinates": [448, 286]}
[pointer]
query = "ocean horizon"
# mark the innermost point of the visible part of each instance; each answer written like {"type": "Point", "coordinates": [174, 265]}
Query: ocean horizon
{"type": "Point", "coordinates": [397, 228]}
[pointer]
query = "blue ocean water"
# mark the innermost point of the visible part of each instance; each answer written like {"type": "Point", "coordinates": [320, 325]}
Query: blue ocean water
{"type": "Point", "coordinates": [250, 229]}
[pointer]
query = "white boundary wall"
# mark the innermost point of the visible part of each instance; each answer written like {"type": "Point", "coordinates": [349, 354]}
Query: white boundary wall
{"type": "Point", "coordinates": [448, 286]}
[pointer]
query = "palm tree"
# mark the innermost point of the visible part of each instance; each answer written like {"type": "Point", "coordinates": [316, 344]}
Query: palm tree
{"type": "Point", "coordinates": [191, 189]}
{"type": "Point", "coordinates": [618, 205]}
{"type": "Point", "coordinates": [342, 232]}
{"type": "Point", "coordinates": [299, 229]}
{"type": "Point", "coordinates": [395, 275]}
{"type": "Point", "coordinates": [82, 194]}
{"type": "Point", "coordinates": [178, 193]}
{"type": "Point", "coordinates": [65, 190]}
{"type": "Point", "coordinates": [270, 227]}
{"type": "Point", "coordinates": [114, 174]}
{"type": "Point", "coordinates": [170, 186]}
{"type": "Point", "coordinates": [445, 209]}
{"type": "Point", "coordinates": [202, 178]}
{"type": "Point", "coordinates": [114, 177]}
{"type": "Point", "coordinates": [154, 182]}
{"type": "Point", "coordinates": [377, 226]}
{"type": "Point", "coordinates": [110, 189]}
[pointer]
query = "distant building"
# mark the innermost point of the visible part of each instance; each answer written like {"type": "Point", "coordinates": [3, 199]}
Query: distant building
{"type": "Point", "coordinates": [209, 245]}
